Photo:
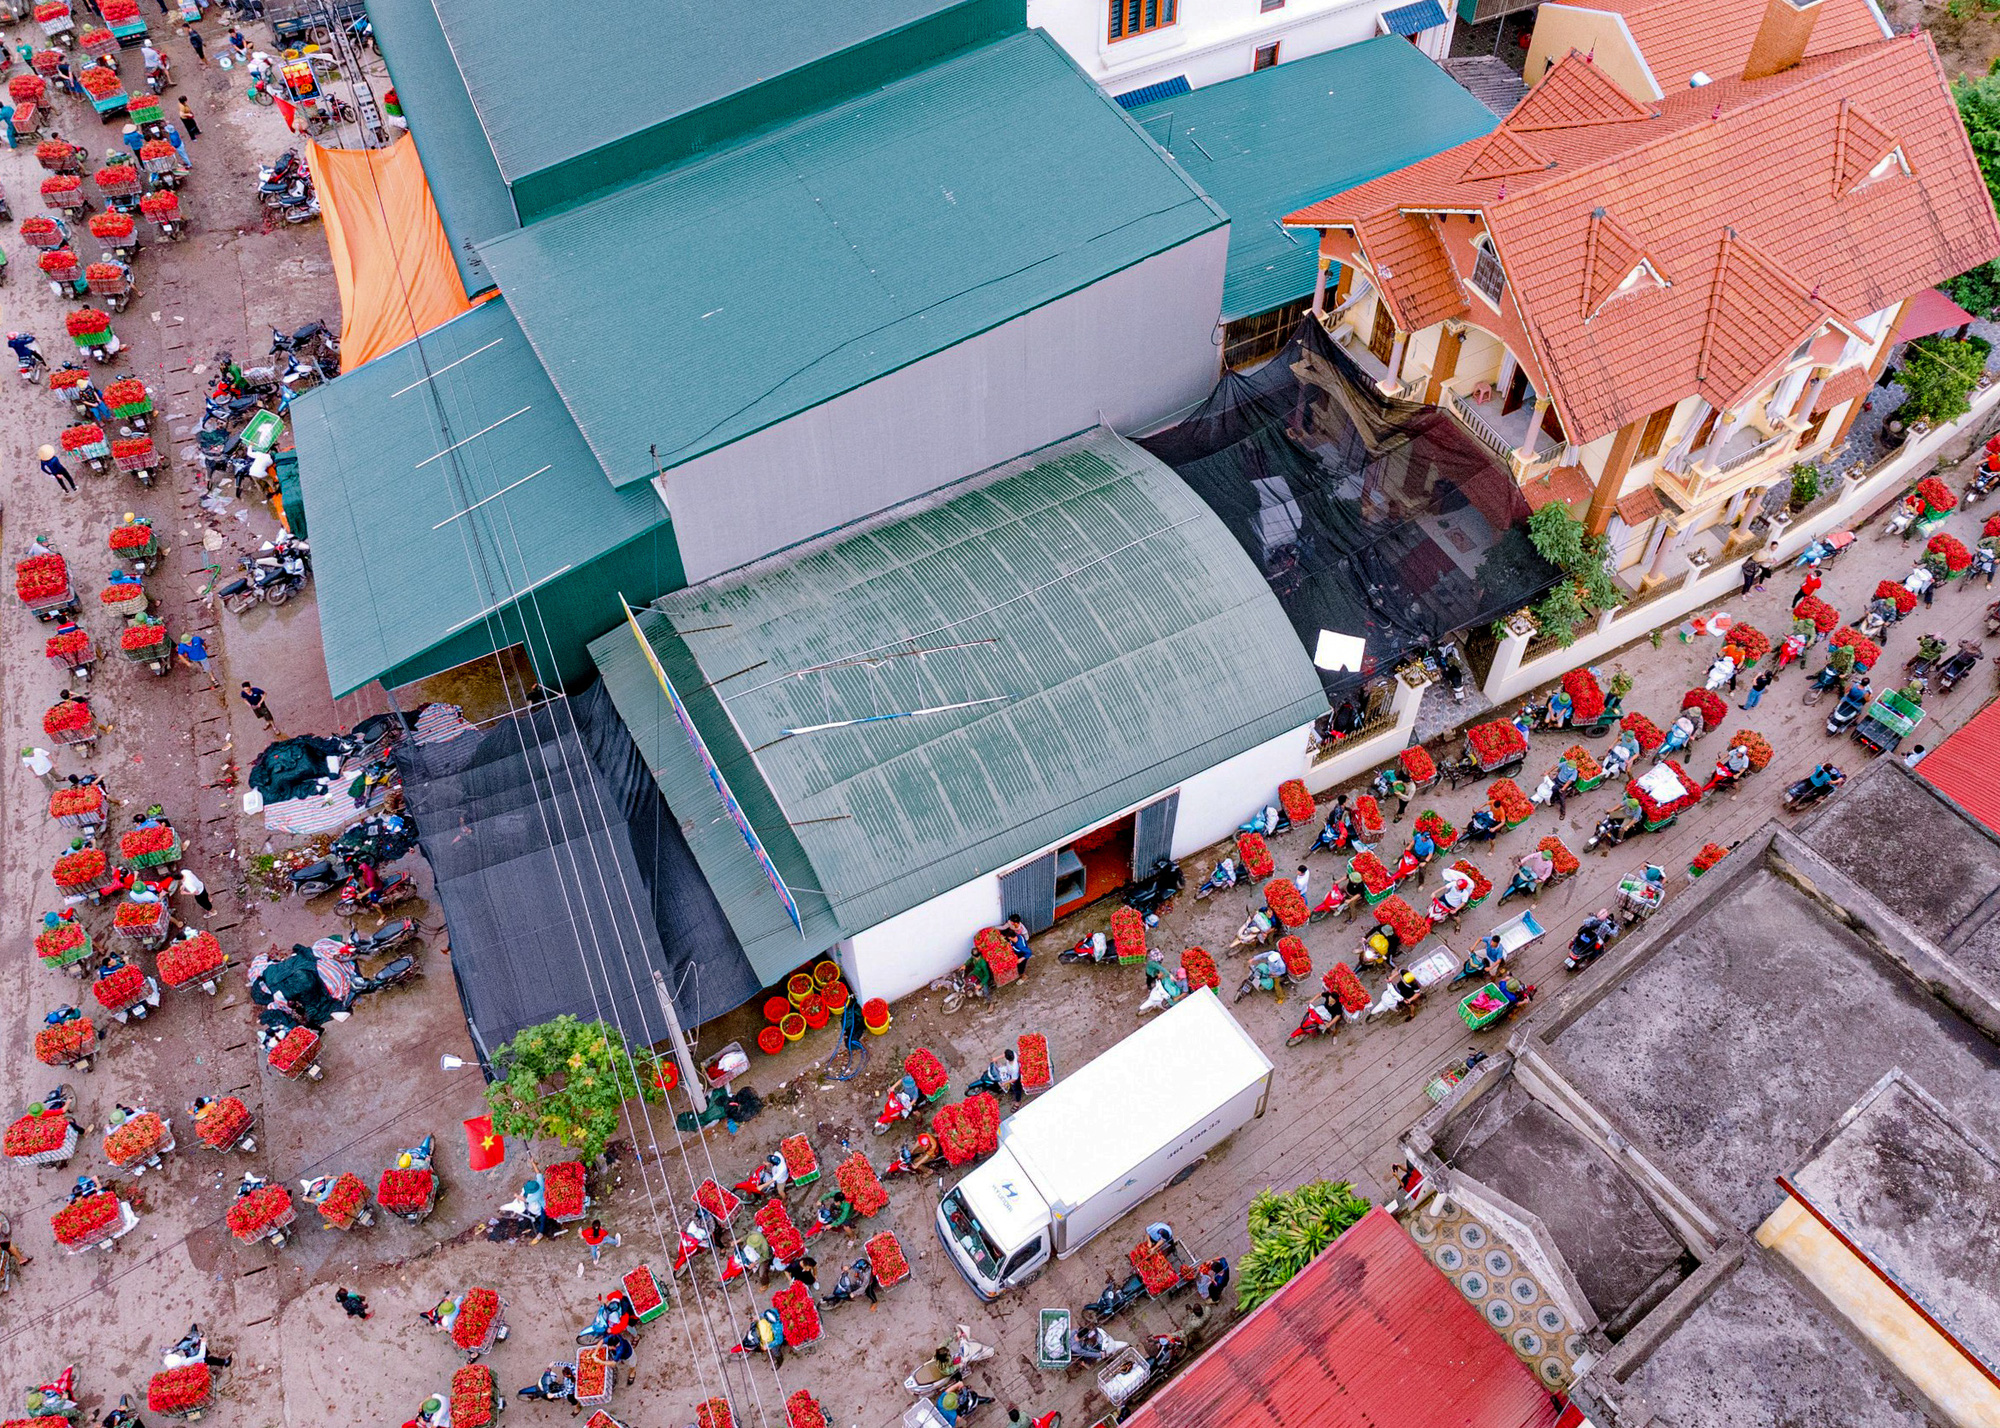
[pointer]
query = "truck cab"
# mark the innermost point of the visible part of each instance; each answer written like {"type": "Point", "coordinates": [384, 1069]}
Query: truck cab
{"type": "Point", "coordinates": [995, 1227]}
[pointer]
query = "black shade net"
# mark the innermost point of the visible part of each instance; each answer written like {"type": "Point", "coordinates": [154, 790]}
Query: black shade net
{"type": "Point", "coordinates": [565, 879]}
{"type": "Point", "coordinates": [1368, 516]}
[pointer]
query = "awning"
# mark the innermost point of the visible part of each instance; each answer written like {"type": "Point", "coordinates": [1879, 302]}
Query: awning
{"type": "Point", "coordinates": [1930, 313]}
{"type": "Point", "coordinates": [1165, 89]}
{"type": "Point", "coordinates": [1413, 19]}
{"type": "Point", "coordinates": [397, 277]}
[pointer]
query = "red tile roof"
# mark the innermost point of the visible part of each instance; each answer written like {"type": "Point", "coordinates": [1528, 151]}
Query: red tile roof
{"type": "Point", "coordinates": [1567, 484]}
{"type": "Point", "coordinates": [1637, 507]}
{"type": "Point", "coordinates": [1368, 1335]}
{"type": "Point", "coordinates": [1675, 39]}
{"type": "Point", "coordinates": [1961, 768]}
{"type": "Point", "coordinates": [1740, 194]}
{"type": "Point", "coordinates": [1411, 269]}
{"type": "Point", "coordinates": [1843, 386]}
{"type": "Point", "coordinates": [1930, 313]}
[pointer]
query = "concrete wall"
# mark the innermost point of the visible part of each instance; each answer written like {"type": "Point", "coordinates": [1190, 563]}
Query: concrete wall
{"type": "Point", "coordinates": [1704, 587]}
{"type": "Point", "coordinates": [1126, 351]}
{"type": "Point", "coordinates": [1601, 34]}
{"type": "Point", "coordinates": [1212, 40]}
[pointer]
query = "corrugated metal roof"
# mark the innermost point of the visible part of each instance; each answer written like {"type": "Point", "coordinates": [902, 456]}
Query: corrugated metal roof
{"type": "Point", "coordinates": [1165, 89]}
{"type": "Point", "coordinates": [397, 575]}
{"type": "Point", "coordinates": [1274, 141]}
{"type": "Point", "coordinates": [691, 310]}
{"type": "Point", "coordinates": [626, 65]}
{"type": "Point", "coordinates": [1128, 640]}
{"type": "Point", "coordinates": [1413, 19]}
{"type": "Point", "coordinates": [472, 198]}
{"type": "Point", "coordinates": [1368, 1335]}
{"type": "Point", "coordinates": [1961, 768]}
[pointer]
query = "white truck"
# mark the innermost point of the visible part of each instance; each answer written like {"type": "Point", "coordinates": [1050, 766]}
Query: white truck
{"type": "Point", "coordinates": [1139, 1118]}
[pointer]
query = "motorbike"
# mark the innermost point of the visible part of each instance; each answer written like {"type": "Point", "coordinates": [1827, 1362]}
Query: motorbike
{"type": "Point", "coordinates": [223, 413]}
{"type": "Point", "coordinates": [313, 342]}
{"type": "Point", "coordinates": [901, 1105]}
{"type": "Point", "coordinates": [1267, 974]}
{"type": "Point", "coordinates": [56, 1399]}
{"type": "Point", "coordinates": [1095, 948]}
{"type": "Point", "coordinates": [1592, 939]}
{"type": "Point", "coordinates": [1269, 821]}
{"type": "Point", "coordinates": [1116, 1298]}
{"type": "Point", "coordinates": [356, 899]}
{"type": "Point", "coordinates": [322, 876]}
{"type": "Point", "coordinates": [262, 584]}
{"type": "Point", "coordinates": [1825, 550]}
{"type": "Point", "coordinates": [1983, 563]}
{"type": "Point", "coordinates": [1333, 837]}
{"type": "Point", "coordinates": [1256, 929]}
{"type": "Point", "coordinates": [1610, 831]}
{"type": "Point", "coordinates": [1808, 791]}
{"type": "Point", "coordinates": [903, 1162]}
{"type": "Point", "coordinates": [1983, 480]}
{"type": "Point", "coordinates": [1924, 663]}
{"type": "Point", "coordinates": [1319, 1020]}
{"type": "Point", "coordinates": [1483, 965]}
{"type": "Point", "coordinates": [275, 177]}
{"type": "Point", "coordinates": [1827, 678]}
{"type": "Point", "coordinates": [934, 1373]}
{"type": "Point", "coordinates": [1221, 878]}
{"type": "Point", "coordinates": [1154, 894]}
{"type": "Point", "coordinates": [1903, 520]}
{"type": "Point", "coordinates": [381, 839]}
{"type": "Point", "coordinates": [1959, 665]}
{"type": "Point", "coordinates": [383, 940]}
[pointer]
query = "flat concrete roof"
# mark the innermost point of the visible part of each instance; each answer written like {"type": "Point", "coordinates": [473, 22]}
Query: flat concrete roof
{"type": "Point", "coordinates": [1759, 1353]}
{"type": "Point", "coordinates": [1607, 1232]}
{"type": "Point", "coordinates": [1733, 1047]}
{"type": "Point", "coordinates": [1904, 1184]}
{"type": "Point", "coordinates": [1907, 846]}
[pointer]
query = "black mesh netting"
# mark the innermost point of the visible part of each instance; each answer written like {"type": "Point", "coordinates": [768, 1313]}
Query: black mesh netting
{"type": "Point", "coordinates": [565, 880]}
{"type": "Point", "coordinates": [1367, 516]}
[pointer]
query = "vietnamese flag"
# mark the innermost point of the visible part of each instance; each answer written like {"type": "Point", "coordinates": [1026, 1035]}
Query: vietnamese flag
{"type": "Point", "coordinates": [484, 1146]}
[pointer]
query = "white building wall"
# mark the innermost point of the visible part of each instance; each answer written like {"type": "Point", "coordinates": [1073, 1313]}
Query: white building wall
{"type": "Point", "coordinates": [1127, 351]}
{"type": "Point", "coordinates": [1213, 40]}
{"type": "Point", "coordinates": [897, 957]}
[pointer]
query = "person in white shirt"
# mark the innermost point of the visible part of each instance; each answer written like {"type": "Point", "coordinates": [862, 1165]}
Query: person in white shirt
{"type": "Point", "coordinates": [195, 888]}
{"type": "Point", "coordinates": [41, 764]}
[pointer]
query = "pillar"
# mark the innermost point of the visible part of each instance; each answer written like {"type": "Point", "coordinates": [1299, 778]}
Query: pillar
{"type": "Point", "coordinates": [1319, 281]}
{"type": "Point", "coordinates": [1617, 462]}
{"type": "Point", "coordinates": [1525, 452]}
{"type": "Point", "coordinates": [1396, 357]}
{"type": "Point", "coordinates": [1753, 502]}
{"type": "Point", "coordinates": [1725, 427]}
{"type": "Point", "coordinates": [1654, 543]}
{"type": "Point", "coordinates": [1874, 370]}
{"type": "Point", "coordinates": [1801, 412]}
{"type": "Point", "coordinates": [1665, 542]}
{"type": "Point", "coordinates": [1344, 284]}
{"type": "Point", "coordinates": [1507, 659]}
{"type": "Point", "coordinates": [1451, 338]}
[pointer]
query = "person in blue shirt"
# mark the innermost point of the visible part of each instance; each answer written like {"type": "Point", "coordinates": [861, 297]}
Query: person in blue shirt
{"type": "Point", "coordinates": [193, 652]}
{"type": "Point", "coordinates": [1423, 848]}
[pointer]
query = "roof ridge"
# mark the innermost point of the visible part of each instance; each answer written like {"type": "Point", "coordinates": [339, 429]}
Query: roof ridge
{"type": "Point", "coordinates": [1611, 255]}
{"type": "Point", "coordinates": [1768, 279]}
{"type": "Point", "coordinates": [1501, 154]}
{"type": "Point", "coordinates": [1859, 143]}
{"type": "Point", "coordinates": [1581, 93]}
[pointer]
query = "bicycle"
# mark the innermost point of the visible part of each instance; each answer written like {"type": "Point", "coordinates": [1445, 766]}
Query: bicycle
{"type": "Point", "coordinates": [852, 1057]}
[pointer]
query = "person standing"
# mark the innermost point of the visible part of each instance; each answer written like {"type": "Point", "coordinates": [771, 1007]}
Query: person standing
{"type": "Point", "coordinates": [1017, 934]}
{"type": "Point", "coordinates": [805, 1272]}
{"type": "Point", "coordinates": [195, 888]}
{"type": "Point", "coordinates": [7, 121]}
{"type": "Point", "coordinates": [254, 697]}
{"type": "Point", "coordinates": [595, 1237]}
{"type": "Point", "coordinates": [41, 764]}
{"type": "Point", "coordinates": [52, 464]}
{"type": "Point", "coordinates": [618, 1349]}
{"type": "Point", "coordinates": [1753, 574]}
{"type": "Point", "coordinates": [200, 49]}
{"type": "Point", "coordinates": [1403, 791]}
{"type": "Point", "coordinates": [192, 651]}
{"type": "Point", "coordinates": [1810, 585]}
{"type": "Point", "coordinates": [187, 117]}
{"type": "Point", "coordinates": [132, 139]}
{"type": "Point", "coordinates": [1758, 686]}
{"type": "Point", "coordinates": [355, 1305]}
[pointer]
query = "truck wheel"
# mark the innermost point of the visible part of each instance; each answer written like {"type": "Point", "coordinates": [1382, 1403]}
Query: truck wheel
{"type": "Point", "coordinates": [1186, 1170]}
{"type": "Point", "coordinates": [1024, 1283]}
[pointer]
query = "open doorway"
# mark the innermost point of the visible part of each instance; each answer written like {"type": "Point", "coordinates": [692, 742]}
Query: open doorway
{"type": "Point", "coordinates": [1098, 863]}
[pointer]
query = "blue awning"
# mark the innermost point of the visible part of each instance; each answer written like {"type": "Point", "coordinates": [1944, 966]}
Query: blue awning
{"type": "Point", "coordinates": [1413, 19]}
{"type": "Point", "coordinates": [1167, 88]}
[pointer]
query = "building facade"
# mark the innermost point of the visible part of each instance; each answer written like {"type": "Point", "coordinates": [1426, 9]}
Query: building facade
{"type": "Point", "coordinates": [1653, 305]}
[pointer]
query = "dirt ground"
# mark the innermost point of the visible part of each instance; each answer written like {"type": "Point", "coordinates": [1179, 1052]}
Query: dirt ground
{"type": "Point", "coordinates": [1967, 42]}
{"type": "Point", "coordinates": [1338, 1107]}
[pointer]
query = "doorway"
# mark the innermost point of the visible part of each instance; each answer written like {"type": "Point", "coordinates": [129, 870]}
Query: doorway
{"type": "Point", "coordinates": [1098, 863]}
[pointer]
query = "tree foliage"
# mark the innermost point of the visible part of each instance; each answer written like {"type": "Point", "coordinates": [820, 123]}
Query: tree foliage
{"type": "Point", "coordinates": [1587, 587]}
{"type": "Point", "coordinates": [1937, 375]}
{"type": "Point", "coordinates": [568, 1080]}
{"type": "Point", "coordinates": [1805, 485]}
{"type": "Point", "coordinates": [1978, 291]}
{"type": "Point", "coordinates": [1288, 1230]}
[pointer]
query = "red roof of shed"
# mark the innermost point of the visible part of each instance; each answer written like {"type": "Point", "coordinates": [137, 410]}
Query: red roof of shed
{"type": "Point", "coordinates": [1961, 768]}
{"type": "Point", "coordinates": [1369, 1335]}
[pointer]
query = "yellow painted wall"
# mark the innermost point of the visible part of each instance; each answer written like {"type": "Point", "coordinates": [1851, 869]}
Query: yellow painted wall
{"type": "Point", "coordinates": [1924, 1356]}
{"type": "Point", "coordinates": [1597, 33]}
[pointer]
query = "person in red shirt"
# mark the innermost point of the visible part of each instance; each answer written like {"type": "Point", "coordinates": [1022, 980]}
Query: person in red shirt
{"type": "Point", "coordinates": [1809, 586]}
{"type": "Point", "coordinates": [596, 1237]}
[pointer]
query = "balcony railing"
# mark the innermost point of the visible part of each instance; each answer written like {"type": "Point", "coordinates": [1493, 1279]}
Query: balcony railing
{"type": "Point", "coordinates": [1745, 457]}
{"type": "Point", "coordinates": [1494, 439]}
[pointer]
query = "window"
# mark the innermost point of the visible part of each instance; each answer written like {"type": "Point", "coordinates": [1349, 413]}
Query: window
{"type": "Point", "coordinates": [1267, 6]}
{"type": "Point", "coordinates": [1267, 56]}
{"type": "Point", "coordinates": [1139, 17]}
{"type": "Point", "coordinates": [1655, 433]}
{"type": "Point", "coordinates": [1486, 274]}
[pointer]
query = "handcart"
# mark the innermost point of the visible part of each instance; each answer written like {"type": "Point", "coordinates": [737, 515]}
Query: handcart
{"type": "Point", "coordinates": [65, 947]}
{"type": "Point", "coordinates": [798, 1313]}
{"type": "Point", "coordinates": [98, 43]}
{"type": "Point", "coordinates": [59, 156]}
{"type": "Point", "coordinates": [125, 20]}
{"type": "Point", "coordinates": [225, 1124]}
{"type": "Point", "coordinates": [1493, 1003]}
{"type": "Point", "coordinates": [80, 873]}
{"type": "Point", "coordinates": [162, 163]}
{"type": "Point", "coordinates": [140, 1142]}
{"type": "Point", "coordinates": [70, 650]}
{"type": "Point", "coordinates": [27, 88]}
{"type": "Point", "coordinates": [55, 19]}
{"type": "Point", "coordinates": [595, 1376]}
{"type": "Point", "coordinates": [1124, 1376]}
{"type": "Point", "coordinates": [42, 1138]}
{"type": "Point", "coordinates": [42, 583]}
{"type": "Point", "coordinates": [67, 1043]}
{"type": "Point", "coordinates": [184, 1392]}
{"type": "Point", "coordinates": [71, 722]}
{"type": "Point", "coordinates": [342, 1200]}
{"type": "Point", "coordinates": [196, 960]}
{"type": "Point", "coordinates": [146, 848]}
{"type": "Point", "coordinates": [64, 270]}
{"type": "Point", "coordinates": [125, 991]}
{"type": "Point", "coordinates": [126, 599]}
{"type": "Point", "coordinates": [481, 1323]}
{"type": "Point", "coordinates": [1641, 893]}
{"type": "Point", "coordinates": [643, 1293]}
{"type": "Point", "coordinates": [1662, 794]}
{"type": "Point", "coordinates": [87, 443]}
{"type": "Point", "coordinates": [409, 1194]}
{"type": "Point", "coordinates": [144, 109]}
{"type": "Point", "coordinates": [118, 233]}
{"type": "Point", "coordinates": [111, 281]}
{"type": "Point", "coordinates": [145, 641]}
{"type": "Point", "coordinates": [1052, 1342]}
{"type": "Point", "coordinates": [262, 1211]}
{"type": "Point", "coordinates": [163, 206]}
{"type": "Point", "coordinates": [1889, 720]}
{"type": "Point", "coordinates": [91, 1222]}
{"type": "Point", "coordinates": [45, 233]}
{"type": "Point", "coordinates": [120, 181]}
{"type": "Point", "coordinates": [29, 114]}
{"type": "Point", "coordinates": [295, 1055]}
{"type": "Point", "coordinates": [475, 1397]}
{"type": "Point", "coordinates": [144, 923]}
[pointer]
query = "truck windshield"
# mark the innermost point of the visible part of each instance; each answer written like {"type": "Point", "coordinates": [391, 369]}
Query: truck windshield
{"type": "Point", "coordinates": [971, 1237]}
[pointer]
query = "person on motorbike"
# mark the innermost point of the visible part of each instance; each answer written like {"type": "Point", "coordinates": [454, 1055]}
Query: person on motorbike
{"type": "Point", "coordinates": [857, 1278]}
{"type": "Point", "coordinates": [1166, 989]}
{"type": "Point", "coordinates": [1853, 699]}
{"type": "Point", "coordinates": [1423, 848]}
{"type": "Point", "coordinates": [1321, 1012]}
{"type": "Point", "coordinates": [1622, 755]}
{"type": "Point", "coordinates": [1488, 956]}
{"type": "Point", "coordinates": [1827, 776]}
{"type": "Point", "coordinates": [1734, 763]}
{"type": "Point", "coordinates": [1089, 1345]}
{"type": "Point", "coordinates": [834, 1211]}
{"type": "Point", "coordinates": [1406, 990]}
{"type": "Point", "coordinates": [1484, 824]}
{"type": "Point", "coordinates": [555, 1384]}
{"type": "Point", "coordinates": [1535, 869]}
{"type": "Point", "coordinates": [1456, 892]}
{"type": "Point", "coordinates": [1683, 730]}
{"type": "Point", "coordinates": [926, 1155]}
{"type": "Point", "coordinates": [1595, 934]}
{"type": "Point", "coordinates": [26, 354]}
{"type": "Point", "coordinates": [768, 1178]}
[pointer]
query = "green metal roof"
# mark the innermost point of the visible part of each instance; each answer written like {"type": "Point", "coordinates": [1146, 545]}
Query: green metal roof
{"type": "Point", "coordinates": [471, 197]}
{"type": "Point", "coordinates": [399, 570]}
{"type": "Point", "coordinates": [1127, 639]}
{"type": "Point", "coordinates": [1271, 142]}
{"type": "Point", "coordinates": [691, 310]}
{"type": "Point", "coordinates": [643, 83]}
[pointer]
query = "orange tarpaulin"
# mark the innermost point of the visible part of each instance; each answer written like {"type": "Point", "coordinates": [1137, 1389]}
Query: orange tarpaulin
{"type": "Point", "coordinates": [390, 254]}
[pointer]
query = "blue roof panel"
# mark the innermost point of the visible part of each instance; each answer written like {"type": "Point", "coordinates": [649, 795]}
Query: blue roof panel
{"type": "Point", "coordinates": [1413, 19]}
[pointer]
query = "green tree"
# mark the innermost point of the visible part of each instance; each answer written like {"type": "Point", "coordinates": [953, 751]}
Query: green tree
{"type": "Point", "coordinates": [1587, 586]}
{"type": "Point", "coordinates": [1288, 1230]}
{"type": "Point", "coordinates": [1805, 484]}
{"type": "Point", "coordinates": [1978, 291]}
{"type": "Point", "coordinates": [568, 1080]}
{"type": "Point", "coordinates": [1937, 375]}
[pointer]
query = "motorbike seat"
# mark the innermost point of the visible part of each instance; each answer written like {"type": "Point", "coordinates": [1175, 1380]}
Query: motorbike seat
{"type": "Point", "coordinates": [234, 587]}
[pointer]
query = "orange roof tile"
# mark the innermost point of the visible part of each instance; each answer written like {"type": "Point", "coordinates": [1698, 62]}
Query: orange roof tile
{"type": "Point", "coordinates": [1635, 508]}
{"type": "Point", "coordinates": [1587, 96]}
{"type": "Point", "coordinates": [1411, 269]}
{"type": "Point", "coordinates": [1504, 153]}
{"type": "Point", "coordinates": [1859, 144]}
{"type": "Point", "coordinates": [1754, 159]}
{"type": "Point", "coordinates": [1843, 386]}
{"type": "Point", "coordinates": [1567, 484]}
{"type": "Point", "coordinates": [1676, 39]}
